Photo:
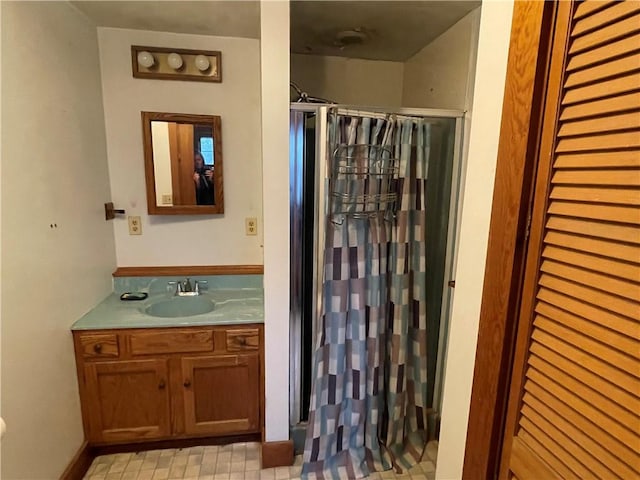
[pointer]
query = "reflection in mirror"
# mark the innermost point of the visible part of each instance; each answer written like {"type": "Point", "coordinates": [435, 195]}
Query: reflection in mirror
{"type": "Point", "coordinates": [183, 158]}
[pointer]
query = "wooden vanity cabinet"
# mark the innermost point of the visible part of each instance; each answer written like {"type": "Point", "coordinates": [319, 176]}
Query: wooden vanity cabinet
{"type": "Point", "coordinates": [169, 383]}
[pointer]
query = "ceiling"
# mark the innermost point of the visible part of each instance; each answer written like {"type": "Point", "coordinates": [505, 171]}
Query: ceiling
{"type": "Point", "coordinates": [230, 18]}
{"type": "Point", "coordinates": [392, 30]}
{"type": "Point", "coordinates": [396, 30]}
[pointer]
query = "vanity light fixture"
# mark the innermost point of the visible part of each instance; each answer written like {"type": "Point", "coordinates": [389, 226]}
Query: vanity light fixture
{"type": "Point", "coordinates": [176, 64]}
{"type": "Point", "coordinates": [175, 61]}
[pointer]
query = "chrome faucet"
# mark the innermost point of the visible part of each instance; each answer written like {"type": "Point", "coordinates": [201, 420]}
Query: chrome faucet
{"type": "Point", "coordinates": [185, 289]}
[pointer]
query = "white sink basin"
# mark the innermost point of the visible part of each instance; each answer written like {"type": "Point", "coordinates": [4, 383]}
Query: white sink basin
{"type": "Point", "coordinates": [180, 307]}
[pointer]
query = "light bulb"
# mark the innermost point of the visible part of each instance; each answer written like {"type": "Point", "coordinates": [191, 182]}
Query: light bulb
{"type": "Point", "coordinates": [174, 60]}
{"type": "Point", "coordinates": [202, 63]}
{"type": "Point", "coordinates": [145, 59]}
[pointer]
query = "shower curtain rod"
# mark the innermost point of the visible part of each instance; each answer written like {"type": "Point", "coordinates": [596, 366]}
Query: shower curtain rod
{"type": "Point", "coordinates": [400, 112]}
{"type": "Point", "coordinates": [379, 115]}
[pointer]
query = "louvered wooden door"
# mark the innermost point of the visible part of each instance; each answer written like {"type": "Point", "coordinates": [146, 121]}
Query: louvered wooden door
{"type": "Point", "coordinates": [574, 397]}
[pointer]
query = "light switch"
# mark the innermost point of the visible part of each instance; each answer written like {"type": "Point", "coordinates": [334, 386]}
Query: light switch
{"type": "Point", "coordinates": [135, 227]}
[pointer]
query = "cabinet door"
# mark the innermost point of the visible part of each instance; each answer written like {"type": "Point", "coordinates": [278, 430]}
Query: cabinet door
{"type": "Point", "coordinates": [221, 394]}
{"type": "Point", "coordinates": [128, 400]}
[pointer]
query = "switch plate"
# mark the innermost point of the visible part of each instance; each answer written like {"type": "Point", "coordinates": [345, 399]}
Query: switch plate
{"type": "Point", "coordinates": [135, 227]}
{"type": "Point", "coordinates": [251, 226]}
{"type": "Point", "coordinates": [167, 199]}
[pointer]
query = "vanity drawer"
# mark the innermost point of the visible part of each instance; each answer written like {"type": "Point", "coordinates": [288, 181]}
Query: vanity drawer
{"type": "Point", "coordinates": [241, 340]}
{"type": "Point", "coordinates": [180, 341]}
{"type": "Point", "coordinates": [103, 345]}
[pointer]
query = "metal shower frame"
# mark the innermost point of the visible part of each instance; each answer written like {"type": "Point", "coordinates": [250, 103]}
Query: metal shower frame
{"type": "Point", "coordinates": [321, 208]}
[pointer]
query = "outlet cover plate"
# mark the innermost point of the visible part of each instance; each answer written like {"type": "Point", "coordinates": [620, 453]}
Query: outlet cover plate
{"type": "Point", "coordinates": [251, 226]}
{"type": "Point", "coordinates": [135, 226]}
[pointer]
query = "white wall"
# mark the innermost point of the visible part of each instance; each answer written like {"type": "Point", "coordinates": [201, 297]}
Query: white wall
{"type": "Point", "coordinates": [349, 80]}
{"type": "Point", "coordinates": [493, 49]}
{"type": "Point", "coordinates": [184, 240]}
{"type": "Point", "coordinates": [54, 171]}
{"type": "Point", "coordinates": [274, 27]}
{"type": "Point", "coordinates": [438, 75]}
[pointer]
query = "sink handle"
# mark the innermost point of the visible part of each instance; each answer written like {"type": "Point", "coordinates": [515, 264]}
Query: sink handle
{"type": "Point", "coordinates": [178, 286]}
{"type": "Point", "coordinates": [198, 283]}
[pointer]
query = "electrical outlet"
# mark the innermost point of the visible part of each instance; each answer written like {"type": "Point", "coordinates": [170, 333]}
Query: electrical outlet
{"type": "Point", "coordinates": [251, 226]}
{"type": "Point", "coordinates": [135, 227]}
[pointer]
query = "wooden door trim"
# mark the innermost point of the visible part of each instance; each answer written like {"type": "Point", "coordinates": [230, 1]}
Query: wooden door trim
{"type": "Point", "coordinates": [524, 320]}
{"type": "Point", "coordinates": [527, 72]}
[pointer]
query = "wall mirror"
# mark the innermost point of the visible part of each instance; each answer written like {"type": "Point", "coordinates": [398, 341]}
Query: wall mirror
{"type": "Point", "coordinates": [183, 163]}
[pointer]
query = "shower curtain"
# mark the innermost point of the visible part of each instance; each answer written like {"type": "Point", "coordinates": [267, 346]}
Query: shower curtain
{"type": "Point", "coordinates": [369, 395]}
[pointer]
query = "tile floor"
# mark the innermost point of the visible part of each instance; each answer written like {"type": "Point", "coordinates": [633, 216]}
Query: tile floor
{"type": "Point", "coordinates": [240, 461]}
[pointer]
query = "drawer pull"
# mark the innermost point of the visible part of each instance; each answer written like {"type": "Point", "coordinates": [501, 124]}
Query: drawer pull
{"type": "Point", "coordinates": [161, 385]}
{"type": "Point", "coordinates": [97, 348]}
{"type": "Point", "coordinates": [187, 383]}
{"type": "Point", "coordinates": [242, 340]}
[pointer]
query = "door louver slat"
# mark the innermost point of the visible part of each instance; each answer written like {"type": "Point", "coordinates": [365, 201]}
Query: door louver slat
{"type": "Point", "coordinates": [606, 34]}
{"type": "Point", "coordinates": [629, 253]}
{"type": "Point", "coordinates": [615, 49]}
{"type": "Point", "coordinates": [586, 194]}
{"type": "Point", "coordinates": [597, 125]}
{"type": "Point", "coordinates": [613, 68]}
{"type": "Point", "coordinates": [616, 86]}
{"type": "Point", "coordinates": [589, 7]}
{"type": "Point", "coordinates": [622, 103]}
{"type": "Point", "coordinates": [624, 399]}
{"type": "Point", "coordinates": [561, 431]}
{"type": "Point", "coordinates": [605, 16]}
{"type": "Point", "coordinates": [609, 442]}
{"type": "Point", "coordinates": [612, 158]}
{"type": "Point", "coordinates": [621, 288]}
{"type": "Point", "coordinates": [595, 330]}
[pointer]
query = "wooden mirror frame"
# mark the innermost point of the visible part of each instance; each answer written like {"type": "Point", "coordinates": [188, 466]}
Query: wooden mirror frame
{"type": "Point", "coordinates": [152, 207]}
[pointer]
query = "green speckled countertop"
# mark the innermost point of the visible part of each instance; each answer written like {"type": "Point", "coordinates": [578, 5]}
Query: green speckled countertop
{"type": "Point", "coordinates": [232, 306]}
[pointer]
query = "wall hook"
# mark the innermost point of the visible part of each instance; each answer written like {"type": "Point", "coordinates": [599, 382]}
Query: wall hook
{"type": "Point", "coordinates": [110, 212]}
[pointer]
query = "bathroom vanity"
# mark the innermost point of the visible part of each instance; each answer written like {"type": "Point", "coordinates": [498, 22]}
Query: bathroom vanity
{"type": "Point", "coordinates": [146, 378]}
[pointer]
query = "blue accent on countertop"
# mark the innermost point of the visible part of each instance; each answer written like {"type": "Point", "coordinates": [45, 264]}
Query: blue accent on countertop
{"type": "Point", "coordinates": [238, 299]}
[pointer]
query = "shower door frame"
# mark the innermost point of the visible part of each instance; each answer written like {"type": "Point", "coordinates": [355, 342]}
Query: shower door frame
{"type": "Point", "coordinates": [320, 211]}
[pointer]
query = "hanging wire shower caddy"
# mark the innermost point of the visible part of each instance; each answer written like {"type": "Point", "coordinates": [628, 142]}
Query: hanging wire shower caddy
{"type": "Point", "coordinates": [363, 182]}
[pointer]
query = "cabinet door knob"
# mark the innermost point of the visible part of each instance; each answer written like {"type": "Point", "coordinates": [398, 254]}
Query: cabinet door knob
{"type": "Point", "coordinates": [187, 383]}
{"type": "Point", "coordinates": [161, 385]}
{"type": "Point", "coordinates": [97, 348]}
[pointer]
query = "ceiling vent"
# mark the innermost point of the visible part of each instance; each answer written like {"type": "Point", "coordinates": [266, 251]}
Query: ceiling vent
{"type": "Point", "coordinates": [347, 38]}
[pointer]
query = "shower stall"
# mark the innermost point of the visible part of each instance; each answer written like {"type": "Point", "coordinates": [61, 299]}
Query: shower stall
{"type": "Point", "coordinates": [310, 154]}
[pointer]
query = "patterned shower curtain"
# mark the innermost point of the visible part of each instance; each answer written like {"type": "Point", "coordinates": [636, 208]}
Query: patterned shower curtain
{"type": "Point", "coordinates": [369, 395]}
